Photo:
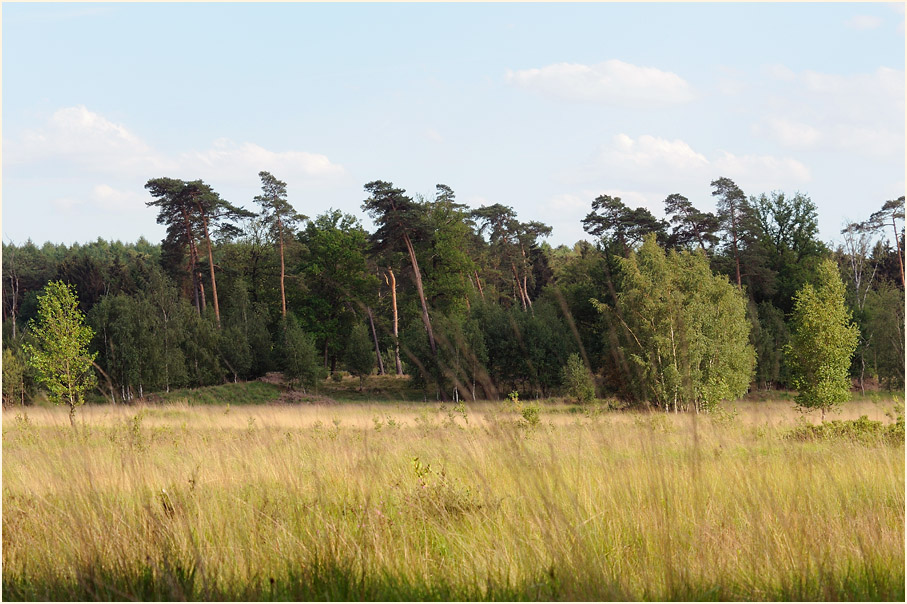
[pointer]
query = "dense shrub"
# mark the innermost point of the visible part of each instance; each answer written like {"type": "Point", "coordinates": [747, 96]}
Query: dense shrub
{"type": "Point", "coordinates": [863, 430]}
{"type": "Point", "coordinates": [577, 380]}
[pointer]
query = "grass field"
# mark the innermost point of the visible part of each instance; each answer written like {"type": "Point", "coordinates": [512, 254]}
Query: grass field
{"type": "Point", "coordinates": [414, 501]}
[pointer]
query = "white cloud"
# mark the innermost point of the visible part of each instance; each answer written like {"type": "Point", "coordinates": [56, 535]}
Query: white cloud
{"type": "Point", "coordinates": [612, 83]}
{"type": "Point", "coordinates": [434, 135]}
{"type": "Point", "coordinates": [791, 133]}
{"type": "Point", "coordinates": [66, 204]}
{"type": "Point", "coordinates": [88, 140]}
{"type": "Point", "coordinates": [230, 161]}
{"type": "Point", "coordinates": [102, 197]}
{"type": "Point", "coordinates": [863, 22]}
{"type": "Point", "coordinates": [108, 198]}
{"type": "Point", "coordinates": [650, 152]}
{"type": "Point", "coordinates": [652, 163]}
{"type": "Point", "coordinates": [94, 144]}
{"type": "Point", "coordinates": [780, 72]}
{"type": "Point", "coordinates": [731, 81]}
{"type": "Point", "coordinates": [567, 202]}
{"type": "Point", "coordinates": [761, 171]}
{"type": "Point", "coordinates": [861, 113]}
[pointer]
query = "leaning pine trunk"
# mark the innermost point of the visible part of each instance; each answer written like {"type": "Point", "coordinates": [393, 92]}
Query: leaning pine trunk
{"type": "Point", "coordinates": [425, 318]}
{"type": "Point", "coordinates": [371, 321]}
{"type": "Point", "coordinates": [211, 267]}
{"type": "Point", "coordinates": [283, 294]}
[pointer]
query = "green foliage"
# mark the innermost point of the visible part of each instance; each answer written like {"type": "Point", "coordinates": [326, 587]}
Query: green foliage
{"type": "Point", "coordinates": [60, 355]}
{"type": "Point", "coordinates": [242, 393]}
{"type": "Point", "coordinates": [863, 431]}
{"type": "Point", "coordinates": [531, 415]}
{"type": "Point", "coordinates": [13, 378]}
{"type": "Point", "coordinates": [785, 230]}
{"type": "Point", "coordinates": [823, 338]}
{"type": "Point", "coordinates": [610, 218]}
{"type": "Point", "coordinates": [203, 364]}
{"type": "Point", "coordinates": [885, 333]}
{"type": "Point", "coordinates": [360, 353]}
{"type": "Point", "coordinates": [334, 267]}
{"type": "Point", "coordinates": [526, 350]}
{"type": "Point", "coordinates": [447, 262]}
{"type": "Point", "coordinates": [689, 336]}
{"type": "Point", "coordinates": [300, 365]}
{"type": "Point", "coordinates": [459, 362]}
{"type": "Point", "coordinates": [769, 336]}
{"type": "Point", "coordinates": [577, 380]}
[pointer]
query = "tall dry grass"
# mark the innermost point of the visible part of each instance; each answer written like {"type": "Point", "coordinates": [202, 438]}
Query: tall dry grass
{"type": "Point", "coordinates": [417, 502]}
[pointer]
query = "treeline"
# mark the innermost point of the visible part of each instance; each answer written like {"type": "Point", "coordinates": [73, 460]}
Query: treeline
{"type": "Point", "coordinates": [467, 302]}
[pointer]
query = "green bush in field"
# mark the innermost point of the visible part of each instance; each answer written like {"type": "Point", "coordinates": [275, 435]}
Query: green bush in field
{"type": "Point", "coordinates": [861, 430]}
{"type": "Point", "coordinates": [61, 357]}
{"type": "Point", "coordinates": [685, 328]}
{"type": "Point", "coordinates": [822, 341]}
{"type": "Point", "coordinates": [300, 357]}
{"type": "Point", "coordinates": [577, 380]}
{"type": "Point", "coordinates": [360, 354]}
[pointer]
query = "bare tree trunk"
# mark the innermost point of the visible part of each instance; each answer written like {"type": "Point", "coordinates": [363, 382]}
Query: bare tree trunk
{"type": "Point", "coordinates": [897, 242]}
{"type": "Point", "coordinates": [14, 305]}
{"type": "Point", "coordinates": [526, 292]}
{"type": "Point", "coordinates": [519, 288]}
{"type": "Point", "coordinates": [283, 293]}
{"type": "Point", "coordinates": [736, 252]}
{"type": "Point", "coordinates": [193, 260]}
{"type": "Point", "coordinates": [201, 289]}
{"type": "Point", "coordinates": [525, 276]}
{"type": "Point", "coordinates": [371, 322]}
{"type": "Point", "coordinates": [479, 285]}
{"type": "Point", "coordinates": [211, 268]}
{"type": "Point", "coordinates": [425, 318]}
{"type": "Point", "coordinates": [393, 285]}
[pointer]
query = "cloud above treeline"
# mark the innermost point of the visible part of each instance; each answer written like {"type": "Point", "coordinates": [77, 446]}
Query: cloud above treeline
{"type": "Point", "coordinates": [861, 113]}
{"type": "Point", "coordinates": [84, 140]}
{"type": "Point", "coordinates": [653, 161]}
{"type": "Point", "coordinates": [612, 82]}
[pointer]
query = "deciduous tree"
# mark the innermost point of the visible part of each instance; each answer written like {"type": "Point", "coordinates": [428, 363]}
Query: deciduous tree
{"type": "Point", "coordinates": [823, 339]}
{"type": "Point", "coordinates": [688, 329]}
{"type": "Point", "coordinates": [60, 355]}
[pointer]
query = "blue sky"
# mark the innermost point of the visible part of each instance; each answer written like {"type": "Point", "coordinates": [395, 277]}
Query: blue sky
{"type": "Point", "coordinates": [541, 107]}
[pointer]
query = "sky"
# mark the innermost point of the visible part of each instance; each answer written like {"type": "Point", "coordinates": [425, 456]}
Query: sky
{"type": "Point", "coordinates": [541, 107]}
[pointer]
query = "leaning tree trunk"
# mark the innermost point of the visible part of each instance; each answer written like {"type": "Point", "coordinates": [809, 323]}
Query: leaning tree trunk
{"type": "Point", "coordinates": [425, 318]}
{"type": "Point", "coordinates": [519, 287]}
{"type": "Point", "coordinates": [371, 322]}
{"type": "Point", "coordinates": [736, 251]}
{"type": "Point", "coordinates": [897, 242]}
{"type": "Point", "coordinates": [193, 258]}
{"type": "Point", "coordinates": [211, 267]}
{"type": "Point", "coordinates": [283, 293]}
{"type": "Point", "coordinates": [393, 285]}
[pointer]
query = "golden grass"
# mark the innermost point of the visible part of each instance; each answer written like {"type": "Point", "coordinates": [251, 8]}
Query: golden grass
{"type": "Point", "coordinates": [413, 501]}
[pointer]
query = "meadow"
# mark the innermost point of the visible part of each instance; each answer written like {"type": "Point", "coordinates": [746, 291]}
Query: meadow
{"type": "Point", "coordinates": [424, 501]}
